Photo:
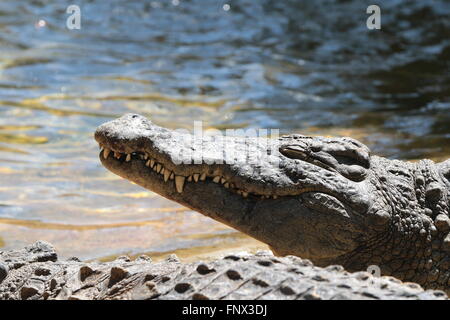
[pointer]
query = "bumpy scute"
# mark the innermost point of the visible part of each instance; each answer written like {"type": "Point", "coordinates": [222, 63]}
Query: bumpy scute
{"type": "Point", "coordinates": [241, 276]}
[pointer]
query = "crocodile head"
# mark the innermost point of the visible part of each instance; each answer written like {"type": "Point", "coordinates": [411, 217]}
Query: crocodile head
{"type": "Point", "coordinates": [301, 195]}
{"type": "Point", "coordinates": [325, 199]}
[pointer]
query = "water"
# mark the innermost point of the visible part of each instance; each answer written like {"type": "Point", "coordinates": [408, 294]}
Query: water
{"type": "Point", "coordinates": [300, 66]}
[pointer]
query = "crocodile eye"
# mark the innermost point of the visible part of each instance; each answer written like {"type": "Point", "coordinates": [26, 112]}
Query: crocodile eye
{"type": "Point", "coordinates": [294, 152]}
{"type": "Point", "coordinates": [344, 155]}
{"type": "Point", "coordinates": [350, 159]}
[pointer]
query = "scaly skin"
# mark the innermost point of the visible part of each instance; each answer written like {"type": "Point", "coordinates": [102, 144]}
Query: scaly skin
{"type": "Point", "coordinates": [325, 199]}
{"type": "Point", "coordinates": [35, 273]}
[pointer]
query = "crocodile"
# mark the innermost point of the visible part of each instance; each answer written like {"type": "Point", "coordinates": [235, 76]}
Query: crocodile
{"type": "Point", "coordinates": [325, 199]}
{"type": "Point", "coordinates": [36, 273]}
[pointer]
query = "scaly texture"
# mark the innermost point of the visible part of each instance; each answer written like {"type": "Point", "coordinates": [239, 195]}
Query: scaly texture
{"type": "Point", "coordinates": [36, 273]}
{"type": "Point", "coordinates": [325, 199]}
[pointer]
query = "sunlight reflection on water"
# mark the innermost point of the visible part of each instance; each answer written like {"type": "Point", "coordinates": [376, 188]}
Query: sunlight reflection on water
{"type": "Point", "coordinates": [272, 64]}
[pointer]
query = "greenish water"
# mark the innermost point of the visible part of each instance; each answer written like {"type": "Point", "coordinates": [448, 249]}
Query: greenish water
{"type": "Point", "coordinates": [300, 66]}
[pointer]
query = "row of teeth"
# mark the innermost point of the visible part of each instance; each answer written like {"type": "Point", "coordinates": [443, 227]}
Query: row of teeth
{"type": "Point", "coordinates": [180, 180]}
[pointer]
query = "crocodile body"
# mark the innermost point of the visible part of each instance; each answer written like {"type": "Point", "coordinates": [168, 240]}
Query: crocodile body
{"type": "Point", "coordinates": [324, 199]}
{"type": "Point", "coordinates": [35, 272]}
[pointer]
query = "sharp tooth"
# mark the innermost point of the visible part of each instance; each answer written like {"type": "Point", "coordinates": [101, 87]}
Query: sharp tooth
{"type": "Point", "coordinates": [189, 179]}
{"type": "Point", "coordinates": [222, 180]}
{"type": "Point", "coordinates": [158, 167]}
{"type": "Point", "coordinates": [162, 171]}
{"type": "Point", "coordinates": [196, 176]}
{"type": "Point", "coordinates": [172, 176]}
{"type": "Point", "coordinates": [244, 194]}
{"type": "Point", "coordinates": [147, 163]}
{"type": "Point", "coordinates": [145, 156]}
{"type": "Point", "coordinates": [216, 179]}
{"type": "Point", "coordinates": [167, 174]}
{"type": "Point", "coordinates": [275, 197]}
{"type": "Point", "coordinates": [152, 163]}
{"type": "Point", "coordinates": [179, 183]}
{"type": "Point", "coordinates": [226, 185]}
{"type": "Point", "coordinates": [117, 155]}
{"type": "Point", "coordinates": [128, 158]}
{"type": "Point", "coordinates": [203, 177]}
{"type": "Point", "coordinates": [106, 153]}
